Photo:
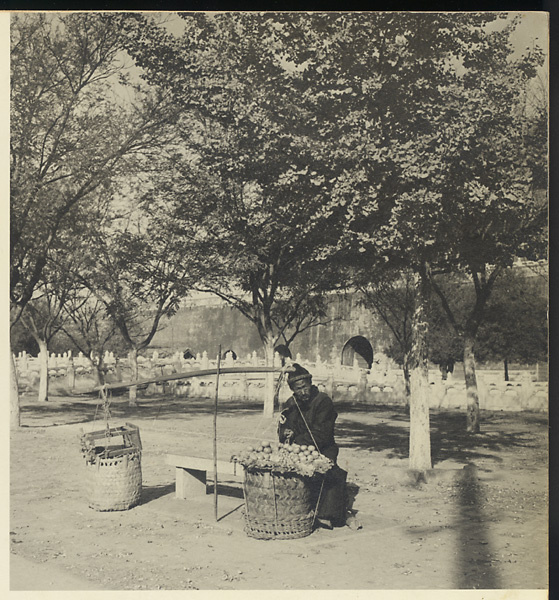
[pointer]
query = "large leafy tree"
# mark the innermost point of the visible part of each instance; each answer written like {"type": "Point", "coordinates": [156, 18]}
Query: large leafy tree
{"type": "Point", "coordinates": [443, 177]}
{"type": "Point", "coordinates": [381, 77]}
{"type": "Point", "coordinates": [494, 211]}
{"type": "Point", "coordinates": [255, 170]}
{"type": "Point", "coordinates": [69, 133]}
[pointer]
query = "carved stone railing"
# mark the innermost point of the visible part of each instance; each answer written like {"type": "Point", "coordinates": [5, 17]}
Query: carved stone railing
{"type": "Point", "coordinates": [381, 385]}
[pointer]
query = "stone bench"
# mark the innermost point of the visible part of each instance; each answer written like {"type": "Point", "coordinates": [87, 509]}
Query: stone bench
{"type": "Point", "coordinates": [191, 474]}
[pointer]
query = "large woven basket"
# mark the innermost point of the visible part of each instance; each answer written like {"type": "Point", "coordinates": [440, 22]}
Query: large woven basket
{"type": "Point", "coordinates": [114, 483]}
{"type": "Point", "coordinates": [113, 472]}
{"type": "Point", "coordinates": [277, 506]}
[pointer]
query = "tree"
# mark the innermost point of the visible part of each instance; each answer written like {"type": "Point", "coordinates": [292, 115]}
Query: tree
{"type": "Point", "coordinates": [44, 317]}
{"type": "Point", "coordinates": [253, 174]}
{"type": "Point", "coordinates": [496, 213]}
{"type": "Point", "coordinates": [90, 329]}
{"type": "Point", "coordinates": [480, 213]}
{"type": "Point", "coordinates": [139, 271]}
{"type": "Point", "coordinates": [70, 133]}
{"type": "Point", "coordinates": [390, 71]}
{"type": "Point", "coordinates": [515, 327]}
{"type": "Point", "coordinates": [435, 102]}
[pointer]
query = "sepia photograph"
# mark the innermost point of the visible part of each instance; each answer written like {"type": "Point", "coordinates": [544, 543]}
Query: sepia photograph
{"type": "Point", "coordinates": [279, 302]}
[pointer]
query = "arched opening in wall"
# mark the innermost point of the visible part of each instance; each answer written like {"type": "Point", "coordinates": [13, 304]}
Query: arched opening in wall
{"type": "Point", "coordinates": [229, 354]}
{"type": "Point", "coordinates": [358, 348]}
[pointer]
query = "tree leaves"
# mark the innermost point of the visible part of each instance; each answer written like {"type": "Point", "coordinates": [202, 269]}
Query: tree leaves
{"type": "Point", "coordinates": [69, 134]}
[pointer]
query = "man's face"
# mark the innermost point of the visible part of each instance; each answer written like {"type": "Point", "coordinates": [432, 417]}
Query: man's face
{"type": "Point", "coordinates": [302, 390]}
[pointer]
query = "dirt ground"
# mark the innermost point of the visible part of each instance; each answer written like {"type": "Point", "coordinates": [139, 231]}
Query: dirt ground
{"type": "Point", "coordinates": [476, 528]}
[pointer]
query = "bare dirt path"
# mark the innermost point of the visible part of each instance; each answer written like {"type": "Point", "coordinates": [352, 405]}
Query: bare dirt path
{"type": "Point", "coordinates": [485, 527]}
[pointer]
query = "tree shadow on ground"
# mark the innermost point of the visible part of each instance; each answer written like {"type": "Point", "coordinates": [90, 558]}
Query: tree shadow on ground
{"type": "Point", "coordinates": [476, 566]}
{"type": "Point", "coordinates": [71, 411]}
{"type": "Point", "coordinates": [62, 413]}
{"type": "Point", "coordinates": [374, 428]}
{"type": "Point", "coordinates": [449, 438]}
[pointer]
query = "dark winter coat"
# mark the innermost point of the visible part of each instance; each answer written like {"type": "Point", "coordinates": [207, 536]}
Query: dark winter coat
{"type": "Point", "coordinates": [320, 416]}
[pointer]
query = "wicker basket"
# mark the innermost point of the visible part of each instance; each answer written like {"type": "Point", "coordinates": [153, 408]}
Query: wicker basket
{"type": "Point", "coordinates": [113, 474]}
{"type": "Point", "coordinates": [114, 483]}
{"type": "Point", "coordinates": [277, 506]}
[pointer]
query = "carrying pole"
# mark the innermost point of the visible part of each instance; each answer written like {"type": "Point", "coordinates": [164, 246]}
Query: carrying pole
{"type": "Point", "coordinates": [215, 430]}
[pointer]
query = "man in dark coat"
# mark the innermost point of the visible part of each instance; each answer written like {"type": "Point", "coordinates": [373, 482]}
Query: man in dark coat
{"type": "Point", "coordinates": [308, 418]}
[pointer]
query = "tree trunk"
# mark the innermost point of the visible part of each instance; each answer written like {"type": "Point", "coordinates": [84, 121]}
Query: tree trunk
{"type": "Point", "coordinates": [420, 437]}
{"type": "Point", "coordinates": [70, 375]}
{"type": "Point", "coordinates": [15, 418]}
{"type": "Point", "coordinates": [506, 362]}
{"type": "Point", "coordinates": [100, 368]}
{"type": "Point", "coordinates": [43, 371]}
{"type": "Point", "coordinates": [133, 362]}
{"type": "Point", "coordinates": [269, 395]}
{"type": "Point", "coordinates": [95, 371]}
{"type": "Point", "coordinates": [472, 408]}
{"type": "Point", "coordinates": [407, 386]}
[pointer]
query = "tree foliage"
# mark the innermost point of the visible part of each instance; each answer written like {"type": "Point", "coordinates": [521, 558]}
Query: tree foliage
{"type": "Point", "coordinates": [254, 170]}
{"type": "Point", "coordinates": [516, 328]}
{"type": "Point", "coordinates": [69, 131]}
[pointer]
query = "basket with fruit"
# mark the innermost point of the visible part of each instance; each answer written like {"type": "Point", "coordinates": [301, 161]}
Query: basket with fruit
{"type": "Point", "coordinates": [280, 489]}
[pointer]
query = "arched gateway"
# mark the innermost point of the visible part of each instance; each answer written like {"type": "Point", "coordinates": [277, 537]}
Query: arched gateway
{"type": "Point", "coordinates": [358, 348]}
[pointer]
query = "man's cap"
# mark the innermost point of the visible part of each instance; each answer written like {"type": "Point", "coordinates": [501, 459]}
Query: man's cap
{"type": "Point", "coordinates": [295, 372]}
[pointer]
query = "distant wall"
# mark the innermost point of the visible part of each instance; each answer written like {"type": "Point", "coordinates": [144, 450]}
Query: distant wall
{"type": "Point", "coordinates": [203, 324]}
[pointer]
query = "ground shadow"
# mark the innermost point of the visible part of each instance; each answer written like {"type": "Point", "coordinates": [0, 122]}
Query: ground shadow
{"type": "Point", "coordinates": [153, 492]}
{"type": "Point", "coordinates": [475, 564]}
{"type": "Point", "coordinates": [163, 409]}
{"type": "Point", "coordinates": [61, 412]}
{"type": "Point", "coordinates": [389, 433]}
{"type": "Point", "coordinates": [375, 428]}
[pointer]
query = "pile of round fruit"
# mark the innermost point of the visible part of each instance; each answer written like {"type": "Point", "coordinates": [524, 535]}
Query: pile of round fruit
{"type": "Point", "coordinates": [284, 458]}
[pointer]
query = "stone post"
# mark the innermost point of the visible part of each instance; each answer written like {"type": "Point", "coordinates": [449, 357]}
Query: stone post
{"type": "Point", "coordinates": [70, 374]}
{"type": "Point", "coordinates": [362, 386]}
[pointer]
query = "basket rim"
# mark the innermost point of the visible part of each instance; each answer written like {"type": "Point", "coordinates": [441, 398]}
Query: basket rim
{"type": "Point", "coordinates": [273, 471]}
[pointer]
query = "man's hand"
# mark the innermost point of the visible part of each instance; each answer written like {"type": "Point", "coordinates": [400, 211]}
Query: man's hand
{"type": "Point", "coordinates": [288, 434]}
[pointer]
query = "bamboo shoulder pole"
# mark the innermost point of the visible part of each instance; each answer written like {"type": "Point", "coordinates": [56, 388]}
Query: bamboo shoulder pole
{"type": "Point", "coordinates": [215, 430]}
{"type": "Point", "coordinates": [187, 375]}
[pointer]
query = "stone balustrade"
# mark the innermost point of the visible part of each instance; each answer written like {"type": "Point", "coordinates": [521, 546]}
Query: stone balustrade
{"type": "Point", "coordinates": [382, 385]}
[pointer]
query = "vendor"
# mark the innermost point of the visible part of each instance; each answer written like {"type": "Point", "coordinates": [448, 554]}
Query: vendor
{"type": "Point", "coordinates": [308, 418]}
